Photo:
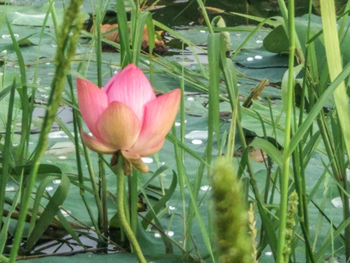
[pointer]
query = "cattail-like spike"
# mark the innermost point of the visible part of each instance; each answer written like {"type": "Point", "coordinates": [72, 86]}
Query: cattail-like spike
{"type": "Point", "coordinates": [230, 215]}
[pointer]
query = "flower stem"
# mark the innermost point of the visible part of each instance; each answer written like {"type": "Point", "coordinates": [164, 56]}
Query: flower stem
{"type": "Point", "coordinates": [122, 217]}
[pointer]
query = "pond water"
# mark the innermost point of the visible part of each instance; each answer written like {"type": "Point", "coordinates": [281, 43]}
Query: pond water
{"type": "Point", "coordinates": [254, 64]}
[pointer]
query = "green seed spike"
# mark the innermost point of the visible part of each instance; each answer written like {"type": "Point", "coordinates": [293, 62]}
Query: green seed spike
{"type": "Point", "coordinates": [292, 210]}
{"type": "Point", "coordinates": [219, 22]}
{"type": "Point", "coordinates": [230, 215]}
{"type": "Point", "coordinates": [252, 232]}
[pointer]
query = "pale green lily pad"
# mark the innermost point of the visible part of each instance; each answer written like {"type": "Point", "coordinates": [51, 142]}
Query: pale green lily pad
{"type": "Point", "coordinates": [95, 258]}
{"type": "Point", "coordinates": [61, 148]}
{"type": "Point", "coordinates": [199, 36]}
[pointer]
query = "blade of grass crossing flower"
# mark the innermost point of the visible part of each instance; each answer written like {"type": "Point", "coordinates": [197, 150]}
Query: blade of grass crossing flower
{"type": "Point", "coordinates": [93, 182]}
{"type": "Point", "coordinates": [78, 151]}
{"type": "Point", "coordinates": [6, 150]}
{"type": "Point", "coordinates": [102, 182]}
{"type": "Point", "coordinates": [180, 161]}
{"type": "Point", "coordinates": [123, 34]}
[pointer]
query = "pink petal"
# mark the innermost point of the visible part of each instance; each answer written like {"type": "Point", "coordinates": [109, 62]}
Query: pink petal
{"type": "Point", "coordinates": [131, 87]}
{"type": "Point", "coordinates": [96, 145]}
{"type": "Point", "coordinates": [140, 165]}
{"type": "Point", "coordinates": [132, 154]}
{"type": "Point", "coordinates": [119, 126]}
{"type": "Point", "coordinates": [159, 117]}
{"type": "Point", "coordinates": [92, 103]}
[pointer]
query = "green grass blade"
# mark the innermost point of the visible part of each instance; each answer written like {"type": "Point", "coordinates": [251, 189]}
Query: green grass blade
{"type": "Point", "coordinates": [123, 34]}
{"type": "Point", "coordinates": [138, 35]}
{"type": "Point", "coordinates": [161, 203]}
{"type": "Point", "coordinates": [6, 151]}
{"type": "Point", "coordinates": [49, 212]}
{"type": "Point", "coordinates": [23, 91]}
{"type": "Point", "coordinates": [303, 128]}
{"type": "Point", "coordinates": [327, 242]}
{"type": "Point", "coordinates": [205, 14]}
{"type": "Point", "coordinates": [5, 227]}
{"type": "Point", "coordinates": [334, 61]}
{"type": "Point", "coordinates": [215, 44]}
{"type": "Point", "coordinates": [37, 201]}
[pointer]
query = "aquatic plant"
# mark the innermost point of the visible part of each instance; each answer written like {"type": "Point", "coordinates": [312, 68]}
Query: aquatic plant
{"type": "Point", "coordinates": [126, 115]}
{"type": "Point", "coordinates": [231, 217]}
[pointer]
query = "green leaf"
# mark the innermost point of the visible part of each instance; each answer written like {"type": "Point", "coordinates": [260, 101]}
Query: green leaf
{"type": "Point", "coordinates": [161, 203]}
{"type": "Point", "coordinates": [49, 212]}
{"type": "Point", "coordinates": [25, 42]}
{"type": "Point", "coordinates": [277, 41]}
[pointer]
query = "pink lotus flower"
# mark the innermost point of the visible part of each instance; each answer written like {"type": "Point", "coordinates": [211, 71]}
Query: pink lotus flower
{"type": "Point", "coordinates": [126, 115]}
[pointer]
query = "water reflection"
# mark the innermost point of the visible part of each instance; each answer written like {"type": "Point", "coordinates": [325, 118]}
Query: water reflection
{"type": "Point", "coordinates": [147, 159]}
